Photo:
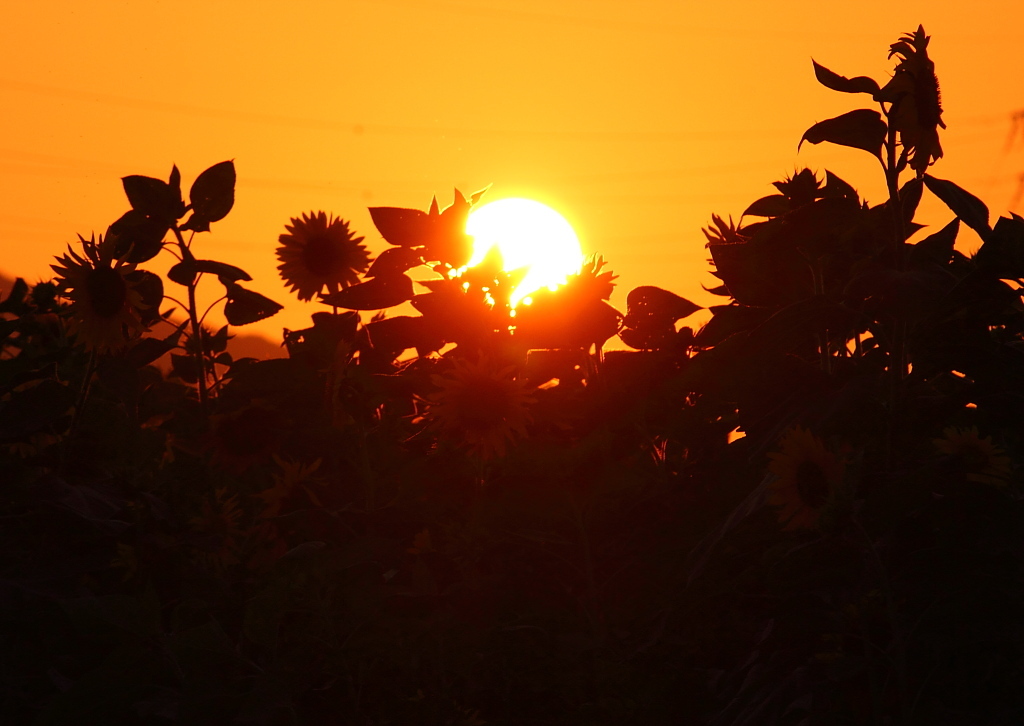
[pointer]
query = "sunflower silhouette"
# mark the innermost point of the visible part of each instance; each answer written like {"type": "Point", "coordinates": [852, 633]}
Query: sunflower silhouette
{"type": "Point", "coordinates": [913, 91]}
{"type": "Point", "coordinates": [320, 252]}
{"type": "Point", "coordinates": [982, 460]}
{"type": "Point", "coordinates": [807, 474]}
{"type": "Point", "coordinates": [106, 304]}
{"type": "Point", "coordinates": [479, 407]}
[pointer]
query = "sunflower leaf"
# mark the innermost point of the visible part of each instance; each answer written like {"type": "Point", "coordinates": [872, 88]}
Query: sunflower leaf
{"type": "Point", "coordinates": [395, 260]}
{"type": "Point", "coordinates": [402, 227]}
{"type": "Point", "coordinates": [153, 197]}
{"type": "Point", "coordinates": [649, 306]}
{"type": "Point", "coordinates": [774, 205]}
{"type": "Point", "coordinates": [1003, 251]}
{"type": "Point", "coordinates": [859, 129]}
{"type": "Point", "coordinates": [245, 306]}
{"type": "Point", "coordinates": [151, 287]}
{"type": "Point", "coordinates": [836, 187]}
{"type": "Point", "coordinates": [147, 350]}
{"type": "Point", "coordinates": [183, 273]}
{"type": "Point", "coordinates": [185, 367]}
{"type": "Point", "coordinates": [138, 236]}
{"type": "Point", "coordinates": [936, 248]}
{"type": "Point", "coordinates": [15, 297]}
{"type": "Point", "coordinates": [910, 197]}
{"type": "Point", "coordinates": [222, 270]}
{"type": "Point", "coordinates": [964, 205]}
{"type": "Point", "coordinates": [830, 79]}
{"type": "Point", "coordinates": [377, 293]}
{"type": "Point", "coordinates": [212, 196]}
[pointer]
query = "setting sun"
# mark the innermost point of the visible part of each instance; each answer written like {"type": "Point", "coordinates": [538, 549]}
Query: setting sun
{"type": "Point", "coordinates": [528, 234]}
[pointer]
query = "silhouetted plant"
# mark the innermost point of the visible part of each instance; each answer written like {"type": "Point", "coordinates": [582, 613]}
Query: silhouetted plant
{"type": "Point", "coordinates": [807, 510]}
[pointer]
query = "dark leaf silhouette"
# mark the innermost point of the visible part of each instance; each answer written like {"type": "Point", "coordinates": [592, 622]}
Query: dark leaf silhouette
{"type": "Point", "coordinates": [218, 342]}
{"type": "Point", "coordinates": [395, 335]}
{"type": "Point", "coordinates": [651, 315]}
{"type": "Point", "coordinates": [1003, 252]}
{"type": "Point", "coordinates": [186, 271]}
{"type": "Point", "coordinates": [376, 293]}
{"type": "Point", "coordinates": [965, 205]}
{"type": "Point", "coordinates": [245, 306]}
{"type": "Point", "coordinates": [138, 236]}
{"type": "Point", "coordinates": [860, 129]}
{"type": "Point", "coordinates": [647, 302]}
{"type": "Point", "coordinates": [154, 197]}
{"type": "Point", "coordinates": [185, 367]}
{"type": "Point", "coordinates": [15, 297]}
{"type": "Point", "coordinates": [936, 248]}
{"type": "Point", "coordinates": [151, 287]}
{"type": "Point", "coordinates": [775, 205]}
{"type": "Point", "coordinates": [910, 197]}
{"type": "Point", "coordinates": [836, 187]}
{"type": "Point", "coordinates": [222, 270]}
{"type": "Point", "coordinates": [183, 273]}
{"type": "Point", "coordinates": [394, 261]}
{"type": "Point", "coordinates": [401, 227]}
{"type": "Point", "coordinates": [212, 196]}
{"type": "Point", "coordinates": [448, 241]}
{"type": "Point", "coordinates": [830, 79]}
{"type": "Point", "coordinates": [720, 290]}
{"type": "Point", "coordinates": [148, 350]}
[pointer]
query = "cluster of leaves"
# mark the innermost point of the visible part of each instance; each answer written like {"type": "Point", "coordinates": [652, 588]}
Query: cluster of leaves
{"type": "Point", "coordinates": [806, 511]}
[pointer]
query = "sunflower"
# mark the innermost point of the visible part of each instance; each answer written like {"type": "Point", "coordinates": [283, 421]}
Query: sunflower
{"type": "Point", "coordinates": [320, 252]}
{"type": "Point", "coordinates": [106, 304]}
{"type": "Point", "coordinates": [982, 460]}
{"type": "Point", "coordinates": [220, 531]}
{"type": "Point", "coordinates": [294, 477]}
{"type": "Point", "coordinates": [916, 106]}
{"type": "Point", "coordinates": [807, 475]}
{"type": "Point", "coordinates": [479, 407]}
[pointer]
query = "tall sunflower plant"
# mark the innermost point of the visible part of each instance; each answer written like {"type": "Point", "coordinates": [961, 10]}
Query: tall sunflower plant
{"type": "Point", "coordinates": [109, 311]}
{"type": "Point", "coordinates": [874, 372]}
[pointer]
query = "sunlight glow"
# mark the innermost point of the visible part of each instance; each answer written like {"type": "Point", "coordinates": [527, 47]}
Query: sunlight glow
{"type": "Point", "coordinates": [528, 234]}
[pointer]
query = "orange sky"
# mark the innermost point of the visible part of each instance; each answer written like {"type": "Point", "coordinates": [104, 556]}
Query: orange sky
{"type": "Point", "coordinates": [635, 120]}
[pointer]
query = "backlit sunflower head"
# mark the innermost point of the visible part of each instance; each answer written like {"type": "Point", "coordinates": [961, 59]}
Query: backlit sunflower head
{"type": "Point", "coordinates": [807, 474]}
{"type": "Point", "coordinates": [982, 460]}
{"type": "Point", "coordinates": [479, 407]}
{"type": "Point", "coordinates": [106, 304]}
{"type": "Point", "coordinates": [916, 107]}
{"type": "Point", "coordinates": [320, 252]}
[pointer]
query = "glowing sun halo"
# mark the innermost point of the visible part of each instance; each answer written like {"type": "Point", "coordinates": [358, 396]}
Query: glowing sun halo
{"type": "Point", "coordinates": [528, 234]}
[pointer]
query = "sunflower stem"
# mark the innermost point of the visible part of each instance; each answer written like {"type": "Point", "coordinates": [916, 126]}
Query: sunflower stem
{"type": "Point", "coordinates": [197, 332]}
{"type": "Point", "coordinates": [899, 660]}
{"type": "Point", "coordinates": [83, 395]}
{"type": "Point", "coordinates": [897, 351]}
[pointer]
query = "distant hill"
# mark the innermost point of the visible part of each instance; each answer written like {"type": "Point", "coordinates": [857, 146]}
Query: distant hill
{"type": "Point", "coordinates": [243, 345]}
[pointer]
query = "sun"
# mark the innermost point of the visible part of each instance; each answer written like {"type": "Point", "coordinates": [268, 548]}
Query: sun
{"type": "Point", "coordinates": [528, 234]}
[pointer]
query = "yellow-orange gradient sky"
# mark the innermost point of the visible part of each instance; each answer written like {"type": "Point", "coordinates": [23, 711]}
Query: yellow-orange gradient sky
{"type": "Point", "coordinates": [636, 120]}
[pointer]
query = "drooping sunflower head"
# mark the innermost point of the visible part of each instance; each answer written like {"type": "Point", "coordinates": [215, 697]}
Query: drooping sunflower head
{"type": "Point", "coordinates": [807, 476]}
{"type": "Point", "coordinates": [981, 460]}
{"type": "Point", "coordinates": [916, 104]}
{"type": "Point", "coordinates": [479, 407]}
{"type": "Point", "coordinates": [320, 252]}
{"type": "Point", "coordinates": [106, 304]}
